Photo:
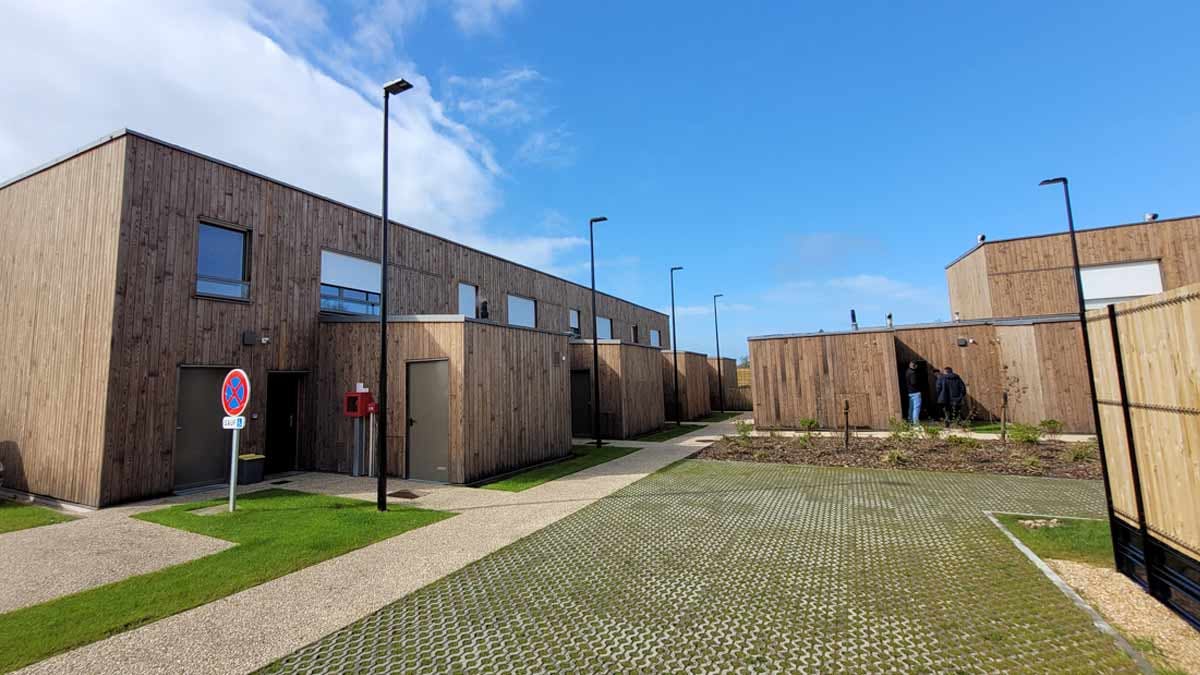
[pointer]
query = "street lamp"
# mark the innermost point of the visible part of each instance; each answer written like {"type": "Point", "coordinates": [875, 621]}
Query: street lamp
{"type": "Point", "coordinates": [595, 335]}
{"type": "Point", "coordinates": [675, 344]}
{"type": "Point", "coordinates": [1087, 345]}
{"type": "Point", "coordinates": [394, 87]}
{"type": "Point", "coordinates": [720, 366]}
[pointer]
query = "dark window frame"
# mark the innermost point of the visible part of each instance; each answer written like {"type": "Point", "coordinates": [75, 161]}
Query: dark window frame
{"type": "Point", "coordinates": [576, 330]}
{"type": "Point", "coordinates": [508, 314]}
{"type": "Point", "coordinates": [458, 289]}
{"type": "Point", "coordinates": [247, 262]}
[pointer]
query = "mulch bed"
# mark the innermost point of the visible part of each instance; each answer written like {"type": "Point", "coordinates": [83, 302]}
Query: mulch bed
{"type": "Point", "coordinates": [1049, 458]}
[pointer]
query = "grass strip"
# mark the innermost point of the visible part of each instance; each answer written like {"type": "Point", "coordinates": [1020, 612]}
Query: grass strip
{"type": "Point", "coordinates": [276, 531]}
{"type": "Point", "coordinates": [667, 433]}
{"type": "Point", "coordinates": [584, 456]}
{"type": "Point", "coordinates": [1078, 539]}
{"type": "Point", "coordinates": [15, 516]}
{"type": "Point", "coordinates": [718, 417]}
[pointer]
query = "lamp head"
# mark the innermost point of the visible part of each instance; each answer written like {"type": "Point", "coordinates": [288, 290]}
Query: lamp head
{"type": "Point", "coordinates": [397, 87]}
{"type": "Point", "coordinates": [718, 295]}
{"type": "Point", "coordinates": [675, 269]}
{"type": "Point", "coordinates": [1053, 181]}
{"type": "Point", "coordinates": [600, 219]}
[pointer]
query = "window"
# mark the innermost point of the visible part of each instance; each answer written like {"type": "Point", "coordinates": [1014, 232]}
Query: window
{"type": "Point", "coordinates": [1105, 284]}
{"type": "Point", "coordinates": [573, 319]}
{"type": "Point", "coordinates": [349, 285]}
{"type": "Point", "coordinates": [655, 340]}
{"type": "Point", "coordinates": [522, 311]}
{"type": "Point", "coordinates": [604, 328]}
{"type": "Point", "coordinates": [466, 300]}
{"type": "Point", "coordinates": [635, 333]}
{"type": "Point", "coordinates": [222, 262]}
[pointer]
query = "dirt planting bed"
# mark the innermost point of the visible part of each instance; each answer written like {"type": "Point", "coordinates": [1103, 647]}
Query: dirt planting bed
{"type": "Point", "coordinates": [951, 452]}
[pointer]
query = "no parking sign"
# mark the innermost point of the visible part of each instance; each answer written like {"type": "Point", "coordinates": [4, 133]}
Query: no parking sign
{"type": "Point", "coordinates": [235, 396]}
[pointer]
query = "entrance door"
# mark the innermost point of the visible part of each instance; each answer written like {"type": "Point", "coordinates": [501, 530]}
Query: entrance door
{"type": "Point", "coordinates": [283, 420]}
{"type": "Point", "coordinates": [201, 445]}
{"type": "Point", "coordinates": [581, 402]}
{"type": "Point", "coordinates": [428, 403]}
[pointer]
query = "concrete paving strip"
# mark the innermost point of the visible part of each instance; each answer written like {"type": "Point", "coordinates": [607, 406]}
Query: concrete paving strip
{"type": "Point", "coordinates": [255, 627]}
{"type": "Point", "coordinates": [43, 563]}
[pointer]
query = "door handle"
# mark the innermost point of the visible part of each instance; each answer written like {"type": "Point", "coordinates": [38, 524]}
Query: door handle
{"type": "Point", "coordinates": [411, 421]}
{"type": "Point", "coordinates": [178, 428]}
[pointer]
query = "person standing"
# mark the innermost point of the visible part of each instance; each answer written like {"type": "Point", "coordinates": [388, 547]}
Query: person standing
{"type": "Point", "coordinates": [951, 394]}
{"type": "Point", "coordinates": [913, 383]}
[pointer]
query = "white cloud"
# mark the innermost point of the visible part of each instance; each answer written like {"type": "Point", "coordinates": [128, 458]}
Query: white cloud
{"type": "Point", "coordinates": [481, 16]}
{"type": "Point", "coordinates": [508, 99]}
{"type": "Point", "coordinates": [547, 147]}
{"type": "Point", "coordinates": [209, 77]}
{"type": "Point", "coordinates": [876, 287]}
{"type": "Point", "coordinates": [706, 310]}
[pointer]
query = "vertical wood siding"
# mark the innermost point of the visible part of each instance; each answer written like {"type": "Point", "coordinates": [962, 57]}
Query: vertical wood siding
{"type": "Point", "coordinates": [693, 385]}
{"type": "Point", "coordinates": [58, 264]}
{"type": "Point", "coordinates": [630, 386]}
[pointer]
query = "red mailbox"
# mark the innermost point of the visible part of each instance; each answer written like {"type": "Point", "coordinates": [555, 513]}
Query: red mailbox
{"type": "Point", "coordinates": [358, 404]}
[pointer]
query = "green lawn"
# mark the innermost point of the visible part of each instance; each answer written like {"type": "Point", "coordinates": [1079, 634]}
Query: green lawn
{"type": "Point", "coordinates": [669, 432]}
{"type": "Point", "coordinates": [985, 427]}
{"type": "Point", "coordinates": [15, 516]}
{"type": "Point", "coordinates": [276, 532]}
{"type": "Point", "coordinates": [719, 417]}
{"type": "Point", "coordinates": [584, 457]}
{"type": "Point", "coordinates": [1081, 540]}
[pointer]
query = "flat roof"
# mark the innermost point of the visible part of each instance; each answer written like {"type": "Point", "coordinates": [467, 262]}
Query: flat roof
{"type": "Point", "coordinates": [137, 134]}
{"type": "Point", "coordinates": [431, 318]}
{"type": "Point", "coordinates": [1014, 321]}
{"type": "Point", "coordinates": [976, 247]}
{"type": "Point", "coordinates": [612, 341]}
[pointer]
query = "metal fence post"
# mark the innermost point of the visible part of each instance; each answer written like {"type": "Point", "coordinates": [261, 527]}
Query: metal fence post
{"type": "Point", "coordinates": [1004, 417]}
{"type": "Point", "coordinates": [846, 432]}
{"type": "Point", "coordinates": [1135, 474]}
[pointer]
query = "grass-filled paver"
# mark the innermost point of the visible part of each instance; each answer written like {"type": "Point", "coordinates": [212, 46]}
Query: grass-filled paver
{"type": "Point", "coordinates": [1083, 540]}
{"type": "Point", "coordinates": [668, 432]}
{"type": "Point", "coordinates": [15, 516]}
{"type": "Point", "coordinates": [714, 566]}
{"type": "Point", "coordinates": [276, 532]}
{"type": "Point", "coordinates": [583, 456]}
{"type": "Point", "coordinates": [718, 416]}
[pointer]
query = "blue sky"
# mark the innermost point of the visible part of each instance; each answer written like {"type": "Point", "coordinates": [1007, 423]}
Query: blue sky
{"type": "Point", "coordinates": [802, 159]}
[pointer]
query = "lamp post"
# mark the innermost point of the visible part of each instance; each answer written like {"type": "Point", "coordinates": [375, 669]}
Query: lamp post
{"type": "Point", "coordinates": [1087, 344]}
{"type": "Point", "coordinates": [394, 87]}
{"type": "Point", "coordinates": [595, 335]}
{"type": "Point", "coordinates": [720, 366]}
{"type": "Point", "coordinates": [675, 344]}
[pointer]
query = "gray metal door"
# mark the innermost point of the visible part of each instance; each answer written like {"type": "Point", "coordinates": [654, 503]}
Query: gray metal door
{"type": "Point", "coordinates": [428, 403]}
{"type": "Point", "coordinates": [581, 402]}
{"type": "Point", "coordinates": [201, 445]}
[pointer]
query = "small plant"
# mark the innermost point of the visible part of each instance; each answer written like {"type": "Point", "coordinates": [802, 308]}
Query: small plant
{"type": "Point", "coordinates": [808, 424]}
{"type": "Point", "coordinates": [760, 455]}
{"type": "Point", "coordinates": [962, 442]}
{"type": "Point", "coordinates": [1032, 463]}
{"type": "Point", "coordinates": [1024, 433]}
{"type": "Point", "coordinates": [1082, 452]}
{"type": "Point", "coordinates": [932, 432]}
{"type": "Point", "coordinates": [1051, 427]}
{"type": "Point", "coordinates": [894, 457]}
{"type": "Point", "coordinates": [901, 431]}
{"type": "Point", "coordinates": [743, 429]}
{"type": "Point", "coordinates": [803, 442]}
{"type": "Point", "coordinates": [772, 434]}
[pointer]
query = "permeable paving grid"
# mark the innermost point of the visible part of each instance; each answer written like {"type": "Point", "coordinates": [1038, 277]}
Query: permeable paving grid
{"type": "Point", "coordinates": [735, 567]}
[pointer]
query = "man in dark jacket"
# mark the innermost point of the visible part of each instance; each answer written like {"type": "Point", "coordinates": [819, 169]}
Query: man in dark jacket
{"type": "Point", "coordinates": [951, 394]}
{"type": "Point", "coordinates": [913, 385]}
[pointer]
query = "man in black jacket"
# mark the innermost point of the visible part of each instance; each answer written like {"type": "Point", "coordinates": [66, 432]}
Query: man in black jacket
{"type": "Point", "coordinates": [951, 394]}
{"type": "Point", "coordinates": [913, 386]}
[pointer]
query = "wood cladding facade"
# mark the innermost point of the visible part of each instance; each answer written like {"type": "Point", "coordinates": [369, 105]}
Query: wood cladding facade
{"type": "Point", "coordinates": [58, 268]}
{"type": "Point", "coordinates": [693, 385]}
{"type": "Point", "coordinates": [736, 398]}
{"type": "Point", "coordinates": [132, 208]}
{"type": "Point", "coordinates": [1040, 364]}
{"type": "Point", "coordinates": [508, 392]}
{"type": "Point", "coordinates": [1033, 276]}
{"type": "Point", "coordinates": [630, 386]}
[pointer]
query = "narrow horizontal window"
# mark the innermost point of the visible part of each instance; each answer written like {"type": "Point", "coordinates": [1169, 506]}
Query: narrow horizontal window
{"type": "Point", "coordinates": [348, 300]}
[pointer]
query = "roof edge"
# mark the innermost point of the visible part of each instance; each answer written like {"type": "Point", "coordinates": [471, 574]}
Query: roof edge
{"type": "Point", "coordinates": [995, 321]}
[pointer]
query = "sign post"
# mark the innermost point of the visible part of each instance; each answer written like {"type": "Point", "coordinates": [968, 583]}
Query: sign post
{"type": "Point", "coordinates": [235, 395]}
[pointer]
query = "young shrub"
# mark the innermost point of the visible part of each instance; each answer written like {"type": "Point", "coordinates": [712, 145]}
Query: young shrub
{"type": "Point", "coordinates": [1032, 463]}
{"type": "Point", "coordinates": [894, 457]}
{"type": "Point", "coordinates": [1051, 427]}
{"type": "Point", "coordinates": [933, 432]}
{"type": "Point", "coordinates": [802, 442]}
{"type": "Point", "coordinates": [1024, 433]}
{"type": "Point", "coordinates": [808, 424]}
{"type": "Point", "coordinates": [962, 443]}
{"type": "Point", "coordinates": [1082, 452]}
{"type": "Point", "coordinates": [743, 429]}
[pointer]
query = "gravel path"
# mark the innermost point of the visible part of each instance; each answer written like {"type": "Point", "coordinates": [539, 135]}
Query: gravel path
{"type": "Point", "coordinates": [43, 563]}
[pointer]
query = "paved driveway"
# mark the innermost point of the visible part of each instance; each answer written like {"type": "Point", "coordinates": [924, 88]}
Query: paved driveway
{"type": "Point", "coordinates": [720, 566]}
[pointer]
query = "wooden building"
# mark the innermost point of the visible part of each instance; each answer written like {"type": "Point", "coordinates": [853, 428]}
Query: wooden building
{"type": "Point", "coordinates": [1033, 276]}
{"type": "Point", "coordinates": [693, 385]}
{"type": "Point", "coordinates": [736, 397]}
{"type": "Point", "coordinates": [471, 398]}
{"type": "Point", "coordinates": [1039, 362]}
{"type": "Point", "coordinates": [631, 388]}
{"type": "Point", "coordinates": [136, 271]}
